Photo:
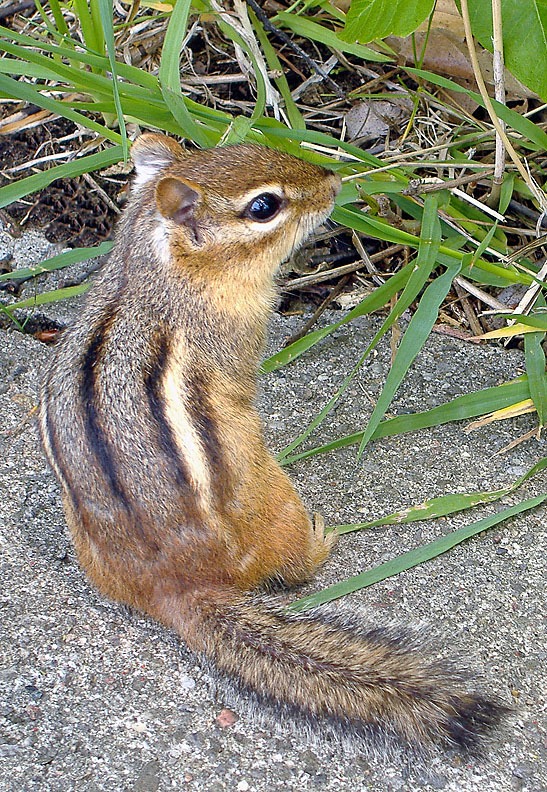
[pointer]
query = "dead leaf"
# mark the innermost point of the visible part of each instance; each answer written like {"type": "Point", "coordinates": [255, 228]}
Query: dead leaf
{"type": "Point", "coordinates": [447, 54]}
{"type": "Point", "coordinates": [374, 119]}
{"type": "Point", "coordinates": [46, 336]}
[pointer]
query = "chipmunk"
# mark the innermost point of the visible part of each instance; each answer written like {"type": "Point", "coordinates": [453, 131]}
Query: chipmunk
{"type": "Point", "coordinates": [174, 504]}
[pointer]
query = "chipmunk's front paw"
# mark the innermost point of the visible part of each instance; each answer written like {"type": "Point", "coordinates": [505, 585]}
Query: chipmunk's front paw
{"type": "Point", "coordinates": [323, 542]}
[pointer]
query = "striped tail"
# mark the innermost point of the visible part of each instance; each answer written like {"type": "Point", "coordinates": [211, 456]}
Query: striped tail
{"type": "Point", "coordinates": [369, 684]}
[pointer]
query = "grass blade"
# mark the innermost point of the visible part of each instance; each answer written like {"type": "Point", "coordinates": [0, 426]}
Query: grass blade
{"type": "Point", "coordinates": [378, 229]}
{"type": "Point", "coordinates": [412, 558]}
{"type": "Point", "coordinates": [97, 62]}
{"type": "Point", "coordinates": [241, 126]}
{"type": "Point", "coordinates": [13, 68]}
{"type": "Point", "coordinates": [420, 271]}
{"type": "Point", "coordinates": [169, 76]}
{"type": "Point", "coordinates": [424, 318]}
{"type": "Point", "coordinates": [535, 368]}
{"type": "Point", "coordinates": [521, 124]}
{"type": "Point", "coordinates": [59, 262]}
{"type": "Point", "coordinates": [294, 115]}
{"type": "Point", "coordinates": [311, 30]}
{"type": "Point", "coordinates": [21, 90]}
{"type": "Point", "coordinates": [273, 129]}
{"type": "Point", "coordinates": [73, 77]}
{"type": "Point", "coordinates": [443, 505]}
{"type": "Point", "coordinates": [47, 297]}
{"type": "Point", "coordinates": [535, 320]}
{"type": "Point", "coordinates": [470, 405]}
{"type": "Point", "coordinates": [62, 26]}
{"type": "Point", "coordinates": [372, 302]}
{"type": "Point", "coordinates": [105, 11]}
{"type": "Point", "coordinates": [13, 192]}
{"type": "Point", "coordinates": [90, 31]}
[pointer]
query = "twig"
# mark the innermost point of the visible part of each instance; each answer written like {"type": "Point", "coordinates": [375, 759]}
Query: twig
{"type": "Point", "coordinates": [15, 8]}
{"type": "Point", "coordinates": [419, 187]}
{"type": "Point", "coordinates": [32, 163]}
{"type": "Point", "coordinates": [18, 428]}
{"type": "Point", "coordinates": [468, 310]}
{"type": "Point", "coordinates": [420, 164]}
{"type": "Point", "coordinates": [535, 432]}
{"type": "Point", "coordinates": [529, 298]}
{"type": "Point", "coordinates": [239, 21]}
{"type": "Point", "coordinates": [214, 79]}
{"type": "Point", "coordinates": [317, 313]}
{"type": "Point", "coordinates": [499, 92]}
{"type": "Point", "coordinates": [479, 204]}
{"type": "Point", "coordinates": [303, 87]}
{"type": "Point", "coordinates": [345, 269]}
{"type": "Point", "coordinates": [99, 190]}
{"type": "Point", "coordinates": [268, 25]}
{"type": "Point", "coordinates": [534, 187]}
{"type": "Point", "coordinates": [368, 263]}
{"type": "Point", "coordinates": [487, 299]}
{"type": "Point", "coordinates": [520, 209]}
{"type": "Point", "coordinates": [526, 250]}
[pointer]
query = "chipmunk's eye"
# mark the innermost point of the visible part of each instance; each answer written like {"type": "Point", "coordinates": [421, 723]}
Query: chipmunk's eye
{"type": "Point", "coordinates": [264, 207]}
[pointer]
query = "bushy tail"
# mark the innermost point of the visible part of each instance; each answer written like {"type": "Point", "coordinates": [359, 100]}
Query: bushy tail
{"type": "Point", "coordinates": [365, 682]}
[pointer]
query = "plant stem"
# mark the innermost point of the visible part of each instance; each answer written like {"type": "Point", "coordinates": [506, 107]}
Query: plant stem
{"type": "Point", "coordinates": [499, 92]}
{"type": "Point", "coordinates": [535, 189]}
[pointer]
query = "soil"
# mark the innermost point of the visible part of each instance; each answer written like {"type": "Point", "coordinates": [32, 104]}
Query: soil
{"type": "Point", "coordinates": [70, 211]}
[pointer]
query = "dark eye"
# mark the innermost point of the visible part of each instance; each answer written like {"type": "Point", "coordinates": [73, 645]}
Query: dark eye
{"type": "Point", "coordinates": [264, 207]}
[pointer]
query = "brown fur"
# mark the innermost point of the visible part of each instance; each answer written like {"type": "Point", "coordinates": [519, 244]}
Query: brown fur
{"type": "Point", "coordinates": [174, 504]}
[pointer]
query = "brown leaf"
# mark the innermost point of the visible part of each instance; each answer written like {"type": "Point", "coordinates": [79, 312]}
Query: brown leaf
{"type": "Point", "coordinates": [447, 54]}
{"type": "Point", "coordinates": [46, 336]}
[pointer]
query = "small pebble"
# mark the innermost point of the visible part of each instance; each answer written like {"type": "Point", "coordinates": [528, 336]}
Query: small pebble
{"type": "Point", "coordinates": [226, 718]}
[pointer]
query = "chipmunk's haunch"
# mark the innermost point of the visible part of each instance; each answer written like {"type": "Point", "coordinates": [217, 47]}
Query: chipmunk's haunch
{"type": "Point", "coordinates": [174, 504]}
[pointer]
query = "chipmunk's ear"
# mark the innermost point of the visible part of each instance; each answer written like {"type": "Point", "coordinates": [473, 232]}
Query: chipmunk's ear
{"type": "Point", "coordinates": [176, 200]}
{"type": "Point", "coordinates": [152, 153]}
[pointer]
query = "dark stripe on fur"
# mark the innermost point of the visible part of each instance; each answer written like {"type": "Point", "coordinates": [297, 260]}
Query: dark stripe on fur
{"type": "Point", "coordinates": [153, 382]}
{"type": "Point", "coordinates": [96, 436]}
{"type": "Point", "coordinates": [201, 416]}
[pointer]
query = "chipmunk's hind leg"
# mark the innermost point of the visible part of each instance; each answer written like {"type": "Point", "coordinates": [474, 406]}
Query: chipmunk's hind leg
{"type": "Point", "coordinates": [310, 550]}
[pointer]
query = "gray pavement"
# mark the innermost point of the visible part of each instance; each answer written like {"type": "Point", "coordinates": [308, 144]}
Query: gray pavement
{"type": "Point", "coordinates": [93, 697]}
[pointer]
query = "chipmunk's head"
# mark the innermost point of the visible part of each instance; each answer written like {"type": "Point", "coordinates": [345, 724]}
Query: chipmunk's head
{"type": "Point", "coordinates": [231, 204]}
